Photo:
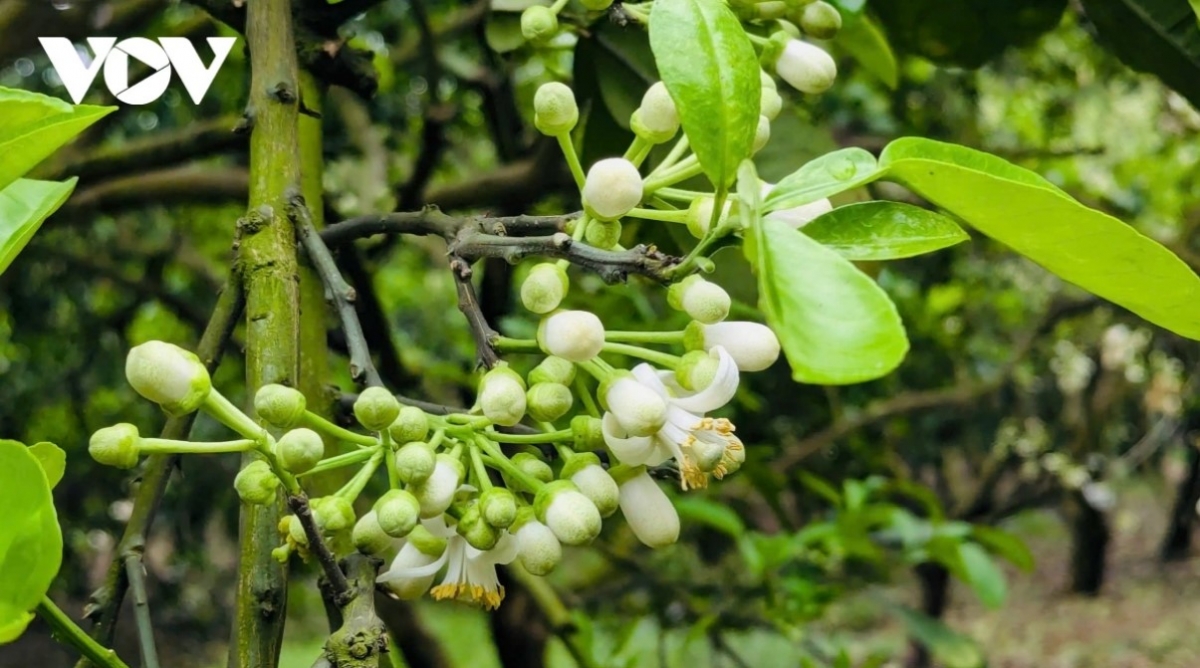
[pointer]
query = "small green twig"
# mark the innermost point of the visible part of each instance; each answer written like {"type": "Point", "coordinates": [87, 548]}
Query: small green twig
{"type": "Point", "coordinates": [74, 636]}
{"type": "Point", "coordinates": [141, 610]}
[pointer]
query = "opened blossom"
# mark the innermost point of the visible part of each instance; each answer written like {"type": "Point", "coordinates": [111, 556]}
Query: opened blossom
{"type": "Point", "coordinates": [700, 445]}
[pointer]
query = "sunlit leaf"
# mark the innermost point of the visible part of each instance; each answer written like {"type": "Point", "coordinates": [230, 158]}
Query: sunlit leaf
{"type": "Point", "coordinates": [52, 459]}
{"type": "Point", "coordinates": [30, 539]}
{"type": "Point", "coordinates": [825, 176]}
{"type": "Point", "coordinates": [884, 231]}
{"type": "Point", "coordinates": [35, 126]}
{"type": "Point", "coordinates": [24, 206]}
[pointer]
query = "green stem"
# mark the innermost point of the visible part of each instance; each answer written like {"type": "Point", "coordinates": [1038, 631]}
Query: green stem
{"type": "Point", "coordinates": [438, 437]}
{"type": "Point", "coordinates": [231, 416]}
{"type": "Point", "coordinates": [485, 482]}
{"type": "Point", "coordinates": [171, 446]}
{"type": "Point", "coordinates": [680, 195]}
{"type": "Point", "coordinates": [568, 149]}
{"type": "Point", "coordinates": [506, 345]}
{"type": "Point", "coordinates": [339, 461]}
{"type": "Point", "coordinates": [686, 169]}
{"type": "Point", "coordinates": [643, 337]}
{"type": "Point", "coordinates": [321, 425]}
{"type": "Point", "coordinates": [359, 482]}
{"type": "Point", "coordinates": [636, 147]}
{"type": "Point", "coordinates": [677, 152]}
{"type": "Point", "coordinates": [502, 464]}
{"type": "Point", "coordinates": [551, 437]}
{"type": "Point", "coordinates": [589, 403]}
{"type": "Point", "coordinates": [676, 216]}
{"type": "Point", "coordinates": [660, 358]}
{"type": "Point", "coordinates": [67, 630]}
{"type": "Point", "coordinates": [385, 441]}
{"type": "Point", "coordinates": [598, 368]}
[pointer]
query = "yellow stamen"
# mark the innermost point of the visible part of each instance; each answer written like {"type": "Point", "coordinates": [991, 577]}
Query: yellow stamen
{"type": "Point", "coordinates": [469, 593]}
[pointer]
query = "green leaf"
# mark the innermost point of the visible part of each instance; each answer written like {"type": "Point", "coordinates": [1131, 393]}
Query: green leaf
{"type": "Point", "coordinates": [1160, 37]}
{"type": "Point", "coordinates": [966, 32]}
{"type": "Point", "coordinates": [503, 32]}
{"type": "Point", "coordinates": [710, 68]}
{"type": "Point", "coordinates": [884, 231]}
{"type": "Point", "coordinates": [30, 538]}
{"type": "Point", "coordinates": [1196, 9]}
{"type": "Point", "coordinates": [35, 126]}
{"type": "Point", "coordinates": [820, 487]}
{"type": "Point", "coordinates": [53, 461]}
{"type": "Point", "coordinates": [1004, 544]}
{"type": "Point", "coordinates": [828, 175]}
{"type": "Point", "coordinates": [835, 324]}
{"type": "Point", "coordinates": [982, 574]}
{"type": "Point", "coordinates": [862, 38]}
{"type": "Point", "coordinates": [716, 515]}
{"type": "Point", "coordinates": [1023, 211]}
{"type": "Point", "coordinates": [624, 68]}
{"type": "Point", "coordinates": [24, 205]}
{"type": "Point", "coordinates": [948, 647]}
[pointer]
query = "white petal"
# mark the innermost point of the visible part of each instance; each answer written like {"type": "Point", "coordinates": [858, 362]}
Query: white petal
{"type": "Point", "coordinates": [631, 450]}
{"type": "Point", "coordinates": [413, 564]}
{"type": "Point", "coordinates": [649, 512]}
{"type": "Point", "coordinates": [639, 408]}
{"type": "Point", "coordinates": [505, 550]}
{"type": "Point", "coordinates": [718, 393]}
{"type": "Point", "coordinates": [648, 376]}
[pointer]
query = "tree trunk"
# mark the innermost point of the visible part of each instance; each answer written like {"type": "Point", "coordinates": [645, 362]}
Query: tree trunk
{"type": "Point", "coordinates": [935, 596]}
{"type": "Point", "coordinates": [1089, 545]}
{"type": "Point", "coordinates": [1178, 540]}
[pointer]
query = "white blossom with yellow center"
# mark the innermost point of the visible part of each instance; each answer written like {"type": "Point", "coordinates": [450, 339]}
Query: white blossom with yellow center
{"type": "Point", "coordinates": [470, 572]}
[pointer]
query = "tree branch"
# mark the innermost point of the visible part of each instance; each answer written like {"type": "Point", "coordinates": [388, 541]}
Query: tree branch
{"type": "Point", "coordinates": [612, 266]}
{"type": "Point", "coordinates": [432, 221]}
{"type": "Point", "coordinates": [339, 586]}
{"type": "Point", "coordinates": [135, 572]}
{"type": "Point", "coordinates": [187, 183]}
{"type": "Point", "coordinates": [468, 303]}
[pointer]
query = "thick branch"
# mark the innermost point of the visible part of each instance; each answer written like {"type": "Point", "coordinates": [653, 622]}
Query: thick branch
{"type": "Point", "coordinates": [362, 638]}
{"type": "Point", "coordinates": [431, 221]}
{"type": "Point", "coordinates": [187, 183]}
{"type": "Point", "coordinates": [612, 266]}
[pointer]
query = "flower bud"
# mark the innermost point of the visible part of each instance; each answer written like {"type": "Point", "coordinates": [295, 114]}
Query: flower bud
{"type": "Point", "coordinates": [115, 446]}
{"type": "Point", "coordinates": [169, 376]}
{"type": "Point", "coordinates": [702, 300]}
{"type": "Point", "coordinates": [502, 396]}
{"type": "Point", "coordinates": [799, 216]}
{"type": "Point", "coordinates": [589, 433]}
{"type": "Point", "coordinates": [544, 288]}
{"type": "Point", "coordinates": [415, 462]}
{"type": "Point", "coordinates": [397, 512]}
{"type": "Point", "coordinates": [657, 117]}
{"type": "Point", "coordinates": [596, 5]}
{"type": "Point", "coordinates": [499, 507]}
{"type": "Point", "coordinates": [539, 24]}
{"type": "Point", "coordinates": [696, 370]}
{"type": "Point", "coordinates": [412, 424]}
{"type": "Point", "coordinates": [771, 10]}
{"type": "Point", "coordinates": [807, 67]}
{"type": "Point", "coordinates": [369, 537]}
{"type": "Point", "coordinates": [333, 513]}
{"type": "Point", "coordinates": [553, 370]}
{"type": "Point", "coordinates": [280, 406]}
{"type": "Point", "coordinates": [770, 103]}
{"type": "Point", "coordinates": [613, 187]}
{"type": "Point", "coordinates": [648, 511]}
{"type": "Point", "coordinates": [256, 484]}
{"type": "Point", "coordinates": [537, 548]}
{"type": "Point", "coordinates": [549, 401]}
{"type": "Point", "coordinates": [753, 346]}
{"type": "Point", "coordinates": [532, 466]}
{"type": "Point", "coordinates": [294, 529]}
{"type": "Point", "coordinates": [299, 450]}
{"type": "Point", "coordinates": [576, 336]}
{"type": "Point", "coordinates": [593, 481]}
{"type": "Point", "coordinates": [699, 215]}
{"type": "Point", "coordinates": [638, 409]}
{"type": "Point", "coordinates": [821, 20]}
{"type": "Point", "coordinates": [376, 409]}
{"type": "Point", "coordinates": [479, 534]}
{"type": "Point", "coordinates": [603, 234]}
{"type": "Point", "coordinates": [554, 109]}
{"type": "Point", "coordinates": [572, 517]}
{"type": "Point", "coordinates": [762, 134]}
{"type": "Point", "coordinates": [437, 493]}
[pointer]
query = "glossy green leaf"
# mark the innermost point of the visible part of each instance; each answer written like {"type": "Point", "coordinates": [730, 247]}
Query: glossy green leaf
{"type": "Point", "coordinates": [1160, 37]}
{"type": "Point", "coordinates": [35, 126]}
{"type": "Point", "coordinates": [966, 32]}
{"type": "Point", "coordinates": [30, 538]}
{"type": "Point", "coordinates": [697, 509]}
{"type": "Point", "coordinates": [1195, 9]}
{"type": "Point", "coordinates": [982, 573]}
{"type": "Point", "coordinates": [710, 68]}
{"type": "Point", "coordinates": [835, 324]}
{"type": "Point", "coordinates": [1004, 544]}
{"type": "Point", "coordinates": [863, 39]}
{"type": "Point", "coordinates": [24, 206]}
{"type": "Point", "coordinates": [825, 176]}
{"type": "Point", "coordinates": [1020, 209]}
{"type": "Point", "coordinates": [884, 231]}
{"type": "Point", "coordinates": [948, 647]}
{"type": "Point", "coordinates": [53, 461]}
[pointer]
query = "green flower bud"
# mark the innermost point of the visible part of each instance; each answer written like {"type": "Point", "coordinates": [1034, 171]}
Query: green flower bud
{"type": "Point", "coordinates": [553, 370]}
{"type": "Point", "coordinates": [787, 28]}
{"type": "Point", "coordinates": [596, 5]}
{"type": "Point", "coordinates": [333, 513]}
{"type": "Point", "coordinates": [538, 548]}
{"type": "Point", "coordinates": [821, 20]}
{"type": "Point", "coordinates": [502, 396]}
{"type": "Point", "coordinates": [397, 512]}
{"type": "Point", "coordinates": [115, 446]}
{"type": "Point", "coordinates": [548, 401]}
{"type": "Point", "coordinates": [532, 466]}
{"type": "Point", "coordinates": [554, 108]}
{"type": "Point", "coordinates": [572, 517]}
{"type": "Point", "coordinates": [256, 484]}
{"type": "Point", "coordinates": [294, 529]}
{"type": "Point", "coordinates": [772, 10]}
{"type": "Point", "coordinates": [412, 424]}
{"type": "Point", "coordinates": [577, 336]}
{"type": "Point", "coordinates": [415, 462]}
{"type": "Point", "coordinates": [613, 186]}
{"type": "Point", "coordinates": [369, 537]}
{"type": "Point", "coordinates": [696, 370]}
{"type": "Point", "coordinates": [539, 24]}
{"type": "Point", "coordinates": [603, 234]}
{"type": "Point", "coordinates": [701, 299]}
{"type": "Point", "coordinates": [479, 534]}
{"type": "Point", "coordinates": [544, 288]}
{"type": "Point", "coordinates": [589, 433]}
{"type": "Point", "coordinates": [699, 215]}
{"type": "Point", "coordinates": [762, 134]}
{"type": "Point", "coordinates": [280, 406]}
{"type": "Point", "coordinates": [593, 481]}
{"type": "Point", "coordinates": [376, 409]}
{"type": "Point", "coordinates": [299, 450]}
{"type": "Point", "coordinates": [499, 507]}
{"type": "Point", "coordinates": [169, 376]}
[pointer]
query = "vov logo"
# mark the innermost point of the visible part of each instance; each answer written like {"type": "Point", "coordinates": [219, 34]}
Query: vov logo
{"type": "Point", "coordinates": [167, 53]}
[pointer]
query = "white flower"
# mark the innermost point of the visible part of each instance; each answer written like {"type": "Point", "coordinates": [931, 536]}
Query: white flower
{"type": "Point", "coordinates": [539, 549]}
{"type": "Point", "coordinates": [807, 67]}
{"type": "Point", "coordinates": [411, 571]}
{"type": "Point", "coordinates": [649, 512]}
{"type": "Point", "coordinates": [762, 134]}
{"type": "Point", "coordinates": [576, 336]}
{"type": "Point", "coordinates": [797, 216]}
{"type": "Point", "coordinates": [168, 375]}
{"type": "Point", "coordinates": [470, 572]}
{"type": "Point", "coordinates": [687, 435]}
{"type": "Point", "coordinates": [753, 346]}
{"type": "Point", "coordinates": [613, 187]}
